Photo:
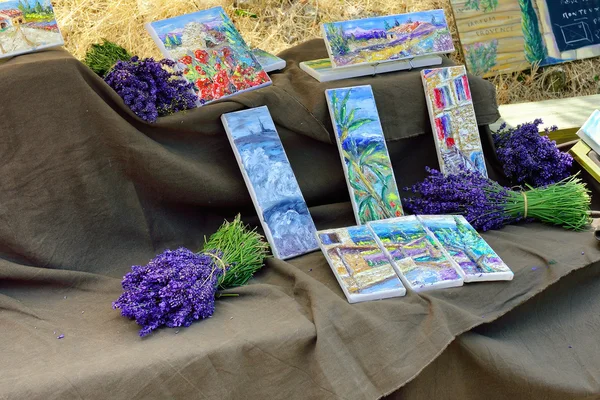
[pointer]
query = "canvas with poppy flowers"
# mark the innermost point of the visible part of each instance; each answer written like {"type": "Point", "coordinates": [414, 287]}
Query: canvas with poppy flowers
{"type": "Point", "coordinates": [210, 52]}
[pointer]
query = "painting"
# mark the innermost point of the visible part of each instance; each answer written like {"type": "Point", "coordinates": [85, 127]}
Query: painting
{"type": "Point", "coordinates": [469, 250]}
{"type": "Point", "coordinates": [503, 36]}
{"type": "Point", "coordinates": [361, 268]}
{"type": "Point", "coordinates": [455, 130]}
{"type": "Point", "coordinates": [210, 52]}
{"type": "Point", "coordinates": [420, 260]}
{"type": "Point", "coordinates": [388, 38]}
{"type": "Point", "coordinates": [27, 26]}
{"type": "Point", "coordinates": [364, 154]}
{"type": "Point", "coordinates": [270, 179]}
{"type": "Point", "coordinates": [590, 131]}
{"type": "Point", "coordinates": [268, 61]}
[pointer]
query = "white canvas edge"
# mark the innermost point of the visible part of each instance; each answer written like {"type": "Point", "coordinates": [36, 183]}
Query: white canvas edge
{"type": "Point", "coordinates": [250, 187]}
{"type": "Point", "coordinates": [357, 297]}
{"type": "Point", "coordinates": [481, 277]}
{"type": "Point", "coordinates": [279, 65]}
{"type": "Point", "coordinates": [586, 139]}
{"type": "Point", "coordinates": [339, 146]}
{"type": "Point", "coordinates": [334, 65]}
{"type": "Point", "coordinates": [422, 288]}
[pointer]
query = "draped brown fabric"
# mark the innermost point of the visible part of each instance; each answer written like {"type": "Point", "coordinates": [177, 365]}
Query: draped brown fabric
{"type": "Point", "coordinates": [88, 189]}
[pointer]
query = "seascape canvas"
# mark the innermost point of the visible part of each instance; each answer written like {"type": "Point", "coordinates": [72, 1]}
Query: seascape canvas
{"type": "Point", "coordinates": [364, 154]}
{"type": "Point", "coordinates": [387, 38]}
{"type": "Point", "coordinates": [268, 61]}
{"type": "Point", "coordinates": [590, 131]}
{"type": "Point", "coordinates": [27, 26]}
{"type": "Point", "coordinates": [270, 179]}
{"type": "Point", "coordinates": [453, 122]}
{"type": "Point", "coordinates": [210, 52]}
{"type": "Point", "coordinates": [417, 256]}
{"type": "Point", "coordinates": [472, 253]}
{"type": "Point", "coordinates": [361, 268]}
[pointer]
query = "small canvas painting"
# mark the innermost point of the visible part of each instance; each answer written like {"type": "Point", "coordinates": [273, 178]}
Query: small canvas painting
{"type": "Point", "coordinates": [416, 255]}
{"type": "Point", "coordinates": [453, 120]}
{"type": "Point", "coordinates": [361, 268]}
{"type": "Point", "coordinates": [471, 252]}
{"type": "Point", "coordinates": [364, 154]}
{"type": "Point", "coordinates": [388, 38]}
{"type": "Point", "coordinates": [27, 26]}
{"type": "Point", "coordinates": [590, 131]}
{"type": "Point", "coordinates": [211, 53]}
{"type": "Point", "coordinates": [268, 174]}
{"type": "Point", "coordinates": [268, 61]}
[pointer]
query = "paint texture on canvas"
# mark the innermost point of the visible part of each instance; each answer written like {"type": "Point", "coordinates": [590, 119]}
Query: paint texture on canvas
{"type": "Point", "coordinates": [470, 251]}
{"type": "Point", "coordinates": [211, 53]}
{"type": "Point", "coordinates": [287, 222]}
{"type": "Point", "coordinates": [365, 158]}
{"type": "Point", "coordinates": [27, 26]}
{"type": "Point", "coordinates": [416, 254]}
{"type": "Point", "coordinates": [268, 61]}
{"type": "Point", "coordinates": [358, 262]}
{"type": "Point", "coordinates": [387, 38]}
{"type": "Point", "coordinates": [453, 120]}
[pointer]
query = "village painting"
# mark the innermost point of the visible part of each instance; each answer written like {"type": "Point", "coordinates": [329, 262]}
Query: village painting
{"type": "Point", "coordinates": [27, 26]}
{"type": "Point", "coordinates": [362, 269]}
{"type": "Point", "coordinates": [211, 53]}
{"type": "Point", "coordinates": [387, 38]}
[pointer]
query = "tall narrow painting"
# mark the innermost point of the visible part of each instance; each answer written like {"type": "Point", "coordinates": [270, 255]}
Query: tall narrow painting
{"type": "Point", "coordinates": [387, 38]}
{"type": "Point", "coordinates": [455, 130]}
{"type": "Point", "coordinates": [27, 26]}
{"type": "Point", "coordinates": [360, 266]}
{"type": "Point", "coordinates": [268, 174]}
{"type": "Point", "coordinates": [364, 154]}
{"type": "Point", "coordinates": [472, 253]}
{"type": "Point", "coordinates": [210, 52]}
{"type": "Point", "coordinates": [419, 259]}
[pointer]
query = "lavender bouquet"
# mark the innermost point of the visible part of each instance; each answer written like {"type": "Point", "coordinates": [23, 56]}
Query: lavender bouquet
{"type": "Point", "coordinates": [530, 158]}
{"type": "Point", "coordinates": [488, 205]}
{"type": "Point", "coordinates": [179, 287]}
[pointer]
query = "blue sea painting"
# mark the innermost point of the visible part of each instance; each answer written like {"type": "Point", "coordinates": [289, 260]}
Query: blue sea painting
{"type": "Point", "coordinates": [415, 254]}
{"type": "Point", "coordinates": [364, 154]}
{"type": "Point", "coordinates": [360, 266]}
{"type": "Point", "coordinates": [279, 203]}
{"type": "Point", "coordinates": [472, 253]}
{"type": "Point", "coordinates": [590, 131]}
{"type": "Point", "coordinates": [387, 38]}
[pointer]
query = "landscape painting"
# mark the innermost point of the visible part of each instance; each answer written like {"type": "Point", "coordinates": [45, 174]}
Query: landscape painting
{"type": "Point", "coordinates": [210, 52]}
{"type": "Point", "coordinates": [361, 268]}
{"type": "Point", "coordinates": [27, 26]}
{"type": "Point", "coordinates": [268, 174]}
{"type": "Point", "coordinates": [590, 131]}
{"type": "Point", "coordinates": [268, 61]}
{"type": "Point", "coordinates": [453, 121]}
{"type": "Point", "coordinates": [474, 255]}
{"type": "Point", "coordinates": [416, 255]}
{"type": "Point", "coordinates": [364, 154]}
{"type": "Point", "coordinates": [388, 38]}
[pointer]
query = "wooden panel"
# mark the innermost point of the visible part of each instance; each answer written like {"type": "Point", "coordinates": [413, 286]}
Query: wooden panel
{"type": "Point", "coordinates": [580, 153]}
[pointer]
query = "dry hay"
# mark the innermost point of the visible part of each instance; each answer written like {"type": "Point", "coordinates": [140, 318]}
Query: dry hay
{"type": "Point", "coordinates": [280, 24]}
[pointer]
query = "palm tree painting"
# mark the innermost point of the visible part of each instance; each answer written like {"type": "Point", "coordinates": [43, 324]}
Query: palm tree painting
{"type": "Point", "coordinates": [364, 154]}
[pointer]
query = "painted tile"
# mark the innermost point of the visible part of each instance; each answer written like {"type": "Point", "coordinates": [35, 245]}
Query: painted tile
{"type": "Point", "coordinates": [211, 53]}
{"type": "Point", "coordinates": [268, 61]}
{"type": "Point", "coordinates": [419, 259]}
{"type": "Point", "coordinates": [387, 38]}
{"type": "Point", "coordinates": [455, 130]}
{"type": "Point", "coordinates": [364, 154]}
{"type": "Point", "coordinates": [590, 131]}
{"type": "Point", "coordinates": [27, 26]}
{"type": "Point", "coordinates": [471, 252]}
{"type": "Point", "coordinates": [361, 268]}
{"type": "Point", "coordinates": [268, 174]}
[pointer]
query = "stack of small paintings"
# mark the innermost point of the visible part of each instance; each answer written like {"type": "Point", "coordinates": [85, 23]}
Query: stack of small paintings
{"type": "Point", "coordinates": [210, 52]}
{"type": "Point", "coordinates": [268, 61]}
{"type": "Point", "coordinates": [364, 154]}
{"type": "Point", "coordinates": [360, 266]}
{"type": "Point", "coordinates": [453, 120]}
{"type": "Point", "coordinates": [583, 150]}
{"type": "Point", "coordinates": [27, 26]}
{"type": "Point", "coordinates": [279, 203]}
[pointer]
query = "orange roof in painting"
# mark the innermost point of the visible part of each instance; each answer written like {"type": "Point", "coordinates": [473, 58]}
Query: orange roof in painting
{"type": "Point", "coordinates": [11, 13]}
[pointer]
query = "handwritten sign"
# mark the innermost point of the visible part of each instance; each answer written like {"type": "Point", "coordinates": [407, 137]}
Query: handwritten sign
{"type": "Point", "coordinates": [575, 23]}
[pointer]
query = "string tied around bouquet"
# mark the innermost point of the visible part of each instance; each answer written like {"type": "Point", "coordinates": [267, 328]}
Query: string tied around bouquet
{"type": "Point", "coordinates": [525, 198]}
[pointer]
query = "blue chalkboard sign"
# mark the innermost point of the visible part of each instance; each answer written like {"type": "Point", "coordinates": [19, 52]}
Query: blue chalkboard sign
{"type": "Point", "coordinates": [575, 23]}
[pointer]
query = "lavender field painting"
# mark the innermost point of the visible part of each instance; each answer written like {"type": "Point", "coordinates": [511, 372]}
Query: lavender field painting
{"type": "Point", "coordinates": [279, 203]}
{"type": "Point", "coordinates": [415, 254]}
{"type": "Point", "coordinates": [471, 252]}
{"type": "Point", "coordinates": [388, 38]}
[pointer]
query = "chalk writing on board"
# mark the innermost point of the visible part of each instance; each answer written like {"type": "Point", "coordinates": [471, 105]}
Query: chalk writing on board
{"type": "Point", "coordinates": [575, 23]}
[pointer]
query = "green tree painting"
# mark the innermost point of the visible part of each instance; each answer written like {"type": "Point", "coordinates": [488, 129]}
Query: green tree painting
{"type": "Point", "coordinates": [481, 5]}
{"type": "Point", "coordinates": [535, 51]}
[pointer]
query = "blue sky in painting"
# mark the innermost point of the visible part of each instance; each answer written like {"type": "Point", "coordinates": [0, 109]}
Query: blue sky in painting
{"type": "Point", "coordinates": [210, 16]}
{"type": "Point", "coordinates": [592, 127]}
{"type": "Point", "coordinates": [379, 22]}
{"type": "Point", "coordinates": [248, 122]}
{"type": "Point", "coordinates": [362, 99]}
{"type": "Point", "coordinates": [8, 5]}
{"type": "Point", "coordinates": [408, 225]}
